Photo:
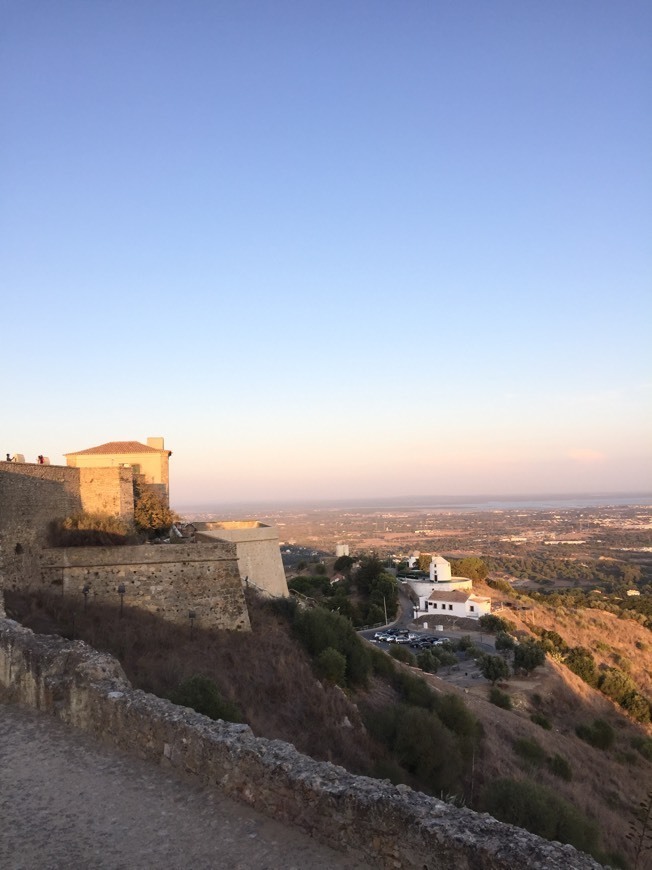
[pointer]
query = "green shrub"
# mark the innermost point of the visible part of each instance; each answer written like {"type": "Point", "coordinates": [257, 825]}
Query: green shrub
{"type": "Point", "coordinates": [541, 811]}
{"type": "Point", "coordinates": [581, 662]}
{"type": "Point", "coordinates": [331, 666]}
{"type": "Point", "coordinates": [528, 656]}
{"type": "Point", "coordinates": [616, 684]}
{"type": "Point", "coordinates": [464, 642]}
{"type": "Point", "coordinates": [600, 734]}
{"type": "Point", "coordinates": [637, 706]}
{"type": "Point", "coordinates": [644, 746]}
{"type": "Point", "coordinates": [420, 743]}
{"type": "Point", "coordinates": [382, 664]}
{"type": "Point", "coordinates": [500, 699]}
{"type": "Point", "coordinates": [444, 656]}
{"type": "Point", "coordinates": [504, 641]}
{"type": "Point", "coordinates": [414, 690]}
{"type": "Point", "coordinates": [560, 767]}
{"type": "Point", "coordinates": [501, 585]}
{"type": "Point", "coordinates": [552, 642]}
{"type": "Point", "coordinates": [543, 721]}
{"type": "Point", "coordinates": [530, 750]}
{"type": "Point", "coordinates": [428, 662]}
{"type": "Point", "coordinates": [201, 694]}
{"type": "Point", "coordinates": [492, 623]}
{"type": "Point", "coordinates": [493, 668]}
{"type": "Point", "coordinates": [401, 654]}
{"type": "Point", "coordinates": [318, 629]}
{"type": "Point", "coordinates": [456, 716]}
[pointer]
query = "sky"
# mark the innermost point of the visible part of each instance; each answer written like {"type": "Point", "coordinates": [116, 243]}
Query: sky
{"type": "Point", "coordinates": [346, 248]}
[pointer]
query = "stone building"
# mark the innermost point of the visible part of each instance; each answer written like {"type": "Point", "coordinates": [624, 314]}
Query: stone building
{"type": "Point", "coordinates": [148, 462]}
{"type": "Point", "coordinates": [206, 577]}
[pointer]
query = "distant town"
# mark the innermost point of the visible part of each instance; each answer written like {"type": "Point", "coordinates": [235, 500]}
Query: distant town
{"type": "Point", "coordinates": [604, 532]}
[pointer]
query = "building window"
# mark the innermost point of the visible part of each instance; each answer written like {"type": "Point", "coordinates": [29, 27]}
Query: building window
{"type": "Point", "coordinates": [450, 606]}
{"type": "Point", "coordinates": [471, 608]}
{"type": "Point", "coordinates": [434, 605]}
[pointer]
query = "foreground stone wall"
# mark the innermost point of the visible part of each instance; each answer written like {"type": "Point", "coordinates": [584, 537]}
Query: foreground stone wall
{"type": "Point", "coordinates": [393, 827]}
{"type": "Point", "coordinates": [163, 579]}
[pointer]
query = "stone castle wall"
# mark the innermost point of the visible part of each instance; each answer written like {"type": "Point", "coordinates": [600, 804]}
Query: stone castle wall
{"type": "Point", "coordinates": [259, 554]}
{"type": "Point", "coordinates": [30, 497]}
{"type": "Point", "coordinates": [107, 491]}
{"type": "Point", "coordinates": [389, 826]}
{"type": "Point", "coordinates": [163, 579]}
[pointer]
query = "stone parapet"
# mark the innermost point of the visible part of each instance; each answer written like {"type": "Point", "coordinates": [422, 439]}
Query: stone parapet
{"type": "Point", "coordinates": [392, 826]}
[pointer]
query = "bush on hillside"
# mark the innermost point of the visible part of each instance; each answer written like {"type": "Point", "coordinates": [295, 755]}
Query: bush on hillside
{"type": "Point", "coordinates": [560, 767]}
{"type": "Point", "coordinates": [492, 623]}
{"type": "Point", "coordinates": [427, 662]}
{"type": "Point", "coordinates": [541, 811]}
{"type": "Point", "coordinates": [318, 629]}
{"type": "Point", "coordinates": [331, 666]}
{"type": "Point", "coordinates": [500, 699]}
{"type": "Point", "coordinates": [541, 720]}
{"type": "Point", "coordinates": [599, 734]}
{"type": "Point", "coordinates": [504, 641]}
{"type": "Point", "coordinates": [88, 530]}
{"type": "Point", "coordinates": [528, 656]}
{"type": "Point", "coordinates": [421, 744]}
{"type": "Point", "coordinates": [644, 746]}
{"type": "Point", "coordinates": [401, 654]}
{"type": "Point", "coordinates": [202, 695]}
{"type": "Point", "coordinates": [581, 662]}
{"type": "Point", "coordinates": [530, 750]}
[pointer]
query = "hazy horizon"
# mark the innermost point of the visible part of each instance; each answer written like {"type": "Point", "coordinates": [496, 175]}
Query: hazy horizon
{"type": "Point", "coordinates": [425, 501]}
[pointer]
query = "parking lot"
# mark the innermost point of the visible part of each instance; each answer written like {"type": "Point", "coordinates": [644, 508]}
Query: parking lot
{"type": "Point", "coordinates": [460, 670]}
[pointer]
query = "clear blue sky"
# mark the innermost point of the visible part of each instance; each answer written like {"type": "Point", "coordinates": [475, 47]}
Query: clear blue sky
{"type": "Point", "coordinates": [331, 248]}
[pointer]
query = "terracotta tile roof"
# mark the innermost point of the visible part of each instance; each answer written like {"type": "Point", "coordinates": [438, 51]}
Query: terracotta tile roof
{"type": "Point", "coordinates": [113, 447]}
{"type": "Point", "coordinates": [456, 595]}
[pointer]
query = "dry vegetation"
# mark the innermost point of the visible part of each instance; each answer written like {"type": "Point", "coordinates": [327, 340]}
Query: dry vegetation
{"type": "Point", "coordinates": [271, 678]}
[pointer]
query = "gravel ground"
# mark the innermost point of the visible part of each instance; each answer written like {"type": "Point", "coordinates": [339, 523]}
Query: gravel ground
{"type": "Point", "coordinates": [69, 802]}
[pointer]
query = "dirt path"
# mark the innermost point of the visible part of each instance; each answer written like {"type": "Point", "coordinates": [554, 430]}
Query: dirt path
{"type": "Point", "coordinates": [68, 802]}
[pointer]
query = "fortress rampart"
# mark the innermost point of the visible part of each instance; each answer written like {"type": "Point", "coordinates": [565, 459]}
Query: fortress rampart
{"type": "Point", "coordinates": [167, 580]}
{"type": "Point", "coordinates": [390, 825]}
{"type": "Point", "coordinates": [257, 548]}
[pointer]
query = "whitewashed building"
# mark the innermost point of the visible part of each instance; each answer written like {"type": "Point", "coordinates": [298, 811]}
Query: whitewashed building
{"type": "Point", "coordinates": [456, 603]}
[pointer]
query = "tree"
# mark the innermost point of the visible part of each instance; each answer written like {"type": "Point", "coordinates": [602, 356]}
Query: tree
{"type": "Point", "coordinates": [494, 668]}
{"type": "Point", "coordinates": [152, 515]}
{"type": "Point", "coordinates": [343, 564]}
{"type": "Point", "coordinates": [369, 571]}
{"type": "Point", "coordinates": [471, 566]}
{"type": "Point", "coordinates": [528, 656]}
{"type": "Point", "coordinates": [504, 641]}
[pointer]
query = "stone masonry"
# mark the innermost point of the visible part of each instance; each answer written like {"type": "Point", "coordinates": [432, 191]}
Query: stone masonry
{"type": "Point", "coordinates": [167, 580]}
